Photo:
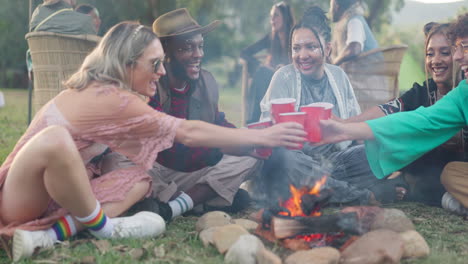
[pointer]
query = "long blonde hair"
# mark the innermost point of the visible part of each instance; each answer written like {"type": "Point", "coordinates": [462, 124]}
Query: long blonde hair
{"type": "Point", "coordinates": [431, 29]}
{"type": "Point", "coordinates": [120, 47]}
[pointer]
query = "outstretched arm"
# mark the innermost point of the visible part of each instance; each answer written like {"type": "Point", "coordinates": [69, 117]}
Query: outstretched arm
{"type": "Point", "coordinates": [371, 113]}
{"type": "Point", "coordinates": [333, 131]}
{"type": "Point", "coordinates": [194, 133]}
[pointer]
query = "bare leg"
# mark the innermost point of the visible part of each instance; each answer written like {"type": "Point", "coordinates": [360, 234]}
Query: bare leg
{"type": "Point", "coordinates": [201, 193]}
{"type": "Point", "coordinates": [48, 166]}
{"type": "Point", "coordinates": [116, 209]}
{"type": "Point", "coordinates": [137, 193]}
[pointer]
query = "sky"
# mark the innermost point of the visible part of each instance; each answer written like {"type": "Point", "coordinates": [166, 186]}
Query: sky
{"type": "Point", "coordinates": [437, 1]}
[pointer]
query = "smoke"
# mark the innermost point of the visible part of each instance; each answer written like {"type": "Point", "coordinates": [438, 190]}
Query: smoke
{"type": "Point", "coordinates": [286, 167]}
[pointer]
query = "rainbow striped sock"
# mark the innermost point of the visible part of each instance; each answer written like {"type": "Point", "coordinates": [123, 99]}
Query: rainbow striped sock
{"type": "Point", "coordinates": [63, 228]}
{"type": "Point", "coordinates": [97, 222]}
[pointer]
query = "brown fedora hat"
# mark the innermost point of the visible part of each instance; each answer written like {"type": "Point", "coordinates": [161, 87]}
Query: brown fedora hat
{"type": "Point", "coordinates": [179, 22]}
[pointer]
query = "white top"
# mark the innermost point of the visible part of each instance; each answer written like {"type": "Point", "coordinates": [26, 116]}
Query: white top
{"type": "Point", "coordinates": [356, 32]}
{"type": "Point", "coordinates": [287, 83]}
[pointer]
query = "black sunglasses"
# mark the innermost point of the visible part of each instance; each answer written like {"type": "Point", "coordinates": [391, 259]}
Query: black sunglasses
{"type": "Point", "coordinates": [157, 63]}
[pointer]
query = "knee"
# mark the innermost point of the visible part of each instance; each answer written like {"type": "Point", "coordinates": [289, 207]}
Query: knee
{"type": "Point", "coordinates": [450, 173]}
{"type": "Point", "coordinates": [56, 140]}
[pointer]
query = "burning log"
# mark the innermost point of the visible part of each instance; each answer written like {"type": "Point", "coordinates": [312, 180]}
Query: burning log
{"type": "Point", "coordinates": [313, 203]}
{"type": "Point", "coordinates": [284, 227]}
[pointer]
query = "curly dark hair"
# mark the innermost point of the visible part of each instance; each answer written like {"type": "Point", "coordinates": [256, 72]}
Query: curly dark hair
{"type": "Point", "coordinates": [459, 28]}
{"type": "Point", "coordinates": [315, 19]}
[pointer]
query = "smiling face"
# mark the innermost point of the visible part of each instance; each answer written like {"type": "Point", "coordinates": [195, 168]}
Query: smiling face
{"type": "Point", "coordinates": [307, 55]}
{"type": "Point", "coordinates": [143, 73]}
{"type": "Point", "coordinates": [186, 57]}
{"type": "Point", "coordinates": [439, 60]}
{"type": "Point", "coordinates": [276, 19]}
{"type": "Point", "coordinates": [461, 54]}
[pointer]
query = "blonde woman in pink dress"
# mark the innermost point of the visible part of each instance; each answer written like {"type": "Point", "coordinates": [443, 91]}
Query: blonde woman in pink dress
{"type": "Point", "coordinates": [49, 187]}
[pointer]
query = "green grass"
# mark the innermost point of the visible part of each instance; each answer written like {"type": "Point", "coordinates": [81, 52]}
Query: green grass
{"type": "Point", "coordinates": [13, 119]}
{"type": "Point", "coordinates": [446, 234]}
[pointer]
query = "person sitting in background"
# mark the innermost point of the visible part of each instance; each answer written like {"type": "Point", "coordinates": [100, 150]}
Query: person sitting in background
{"type": "Point", "coordinates": [58, 16]}
{"type": "Point", "coordinates": [394, 141]}
{"type": "Point", "coordinates": [185, 176]}
{"type": "Point", "coordinates": [276, 42]}
{"type": "Point", "coordinates": [351, 34]}
{"type": "Point", "coordinates": [424, 173]}
{"type": "Point", "coordinates": [49, 187]}
{"type": "Point", "coordinates": [92, 12]}
{"type": "Point", "coordinates": [309, 79]}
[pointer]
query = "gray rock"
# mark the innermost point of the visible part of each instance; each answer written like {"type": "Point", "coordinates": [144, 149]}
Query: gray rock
{"type": "Point", "coordinates": [246, 223]}
{"type": "Point", "coordinates": [212, 219]}
{"type": "Point", "coordinates": [324, 255]}
{"type": "Point", "coordinates": [378, 246]}
{"type": "Point", "coordinates": [267, 257]}
{"type": "Point", "coordinates": [415, 245]}
{"type": "Point", "coordinates": [392, 219]}
{"type": "Point", "coordinates": [244, 250]}
{"type": "Point", "coordinates": [206, 235]}
{"type": "Point", "coordinates": [225, 236]}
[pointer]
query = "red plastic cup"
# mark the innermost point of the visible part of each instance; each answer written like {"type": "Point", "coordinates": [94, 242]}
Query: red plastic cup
{"type": "Point", "coordinates": [298, 117]}
{"type": "Point", "coordinates": [282, 105]}
{"type": "Point", "coordinates": [312, 122]}
{"type": "Point", "coordinates": [263, 152]}
{"type": "Point", "coordinates": [327, 107]}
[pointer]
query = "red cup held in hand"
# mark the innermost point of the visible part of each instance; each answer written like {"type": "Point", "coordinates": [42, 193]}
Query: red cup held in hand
{"type": "Point", "coordinates": [263, 152]}
{"type": "Point", "coordinates": [282, 105]}
{"type": "Point", "coordinates": [327, 109]}
{"type": "Point", "coordinates": [298, 117]}
{"type": "Point", "coordinates": [312, 122]}
{"type": "Point", "coordinates": [315, 113]}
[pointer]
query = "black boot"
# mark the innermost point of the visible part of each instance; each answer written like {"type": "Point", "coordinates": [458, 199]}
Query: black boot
{"type": "Point", "coordinates": [152, 205]}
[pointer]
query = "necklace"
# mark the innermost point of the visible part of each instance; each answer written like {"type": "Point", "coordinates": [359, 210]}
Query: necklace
{"type": "Point", "coordinates": [183, 87]}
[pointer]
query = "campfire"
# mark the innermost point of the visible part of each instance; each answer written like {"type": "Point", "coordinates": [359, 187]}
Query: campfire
{"type": "Point", "coordinates": [354, 234]}
{"type": "Point", "coordinates": [298, 222]}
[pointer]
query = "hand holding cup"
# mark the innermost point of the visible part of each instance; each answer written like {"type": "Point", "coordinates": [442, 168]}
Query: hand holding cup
{"type": "Point", "coordinates": [289, 135]}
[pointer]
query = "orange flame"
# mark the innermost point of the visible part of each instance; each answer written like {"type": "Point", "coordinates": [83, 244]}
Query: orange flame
{"type": "Point", "coordinates": [293, 204]}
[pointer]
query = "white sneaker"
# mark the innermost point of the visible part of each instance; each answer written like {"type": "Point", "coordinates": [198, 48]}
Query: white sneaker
{"type": "Point", "coordinates": [25, 242]}
{"type": "Point", "coordinates": [453, 205]}
{"type": "Point", "coordinates": [140, 225]}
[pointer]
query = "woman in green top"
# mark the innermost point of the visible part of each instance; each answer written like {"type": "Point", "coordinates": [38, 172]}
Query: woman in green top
{"type": "Point", "coordinates": [396, 140]}
{"type": "Point", "coordinates": [424, 173]}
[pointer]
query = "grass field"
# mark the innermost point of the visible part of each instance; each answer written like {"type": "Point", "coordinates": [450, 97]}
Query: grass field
{"type": "Point", "coordinates": [446, 234]}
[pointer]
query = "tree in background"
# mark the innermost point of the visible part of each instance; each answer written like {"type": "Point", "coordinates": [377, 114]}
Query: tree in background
{"type": "Point", "coordinates": [13, 46]}
{"type": "Point", "coordinates": [244, 22]}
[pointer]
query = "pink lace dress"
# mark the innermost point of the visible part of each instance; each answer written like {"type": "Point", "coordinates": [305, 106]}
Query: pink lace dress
{"type": "Point", "coordinates": [99, 117]}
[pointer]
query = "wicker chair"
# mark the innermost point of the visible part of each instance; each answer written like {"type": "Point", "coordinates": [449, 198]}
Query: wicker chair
{"type": "Point", "coordinates": [55, 58]}
{"type": "Point", "coordinates": [374, 80]}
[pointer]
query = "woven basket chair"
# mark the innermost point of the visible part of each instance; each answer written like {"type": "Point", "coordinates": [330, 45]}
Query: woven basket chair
{"type": "Point", "coordinates": [375, 80]}
{"type": "Point", "coordinates": [55, 58]}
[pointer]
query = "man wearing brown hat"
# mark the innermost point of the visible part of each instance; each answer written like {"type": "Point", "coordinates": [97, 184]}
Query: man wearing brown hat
{"type": "Point", "coordinates": [185, 177]}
